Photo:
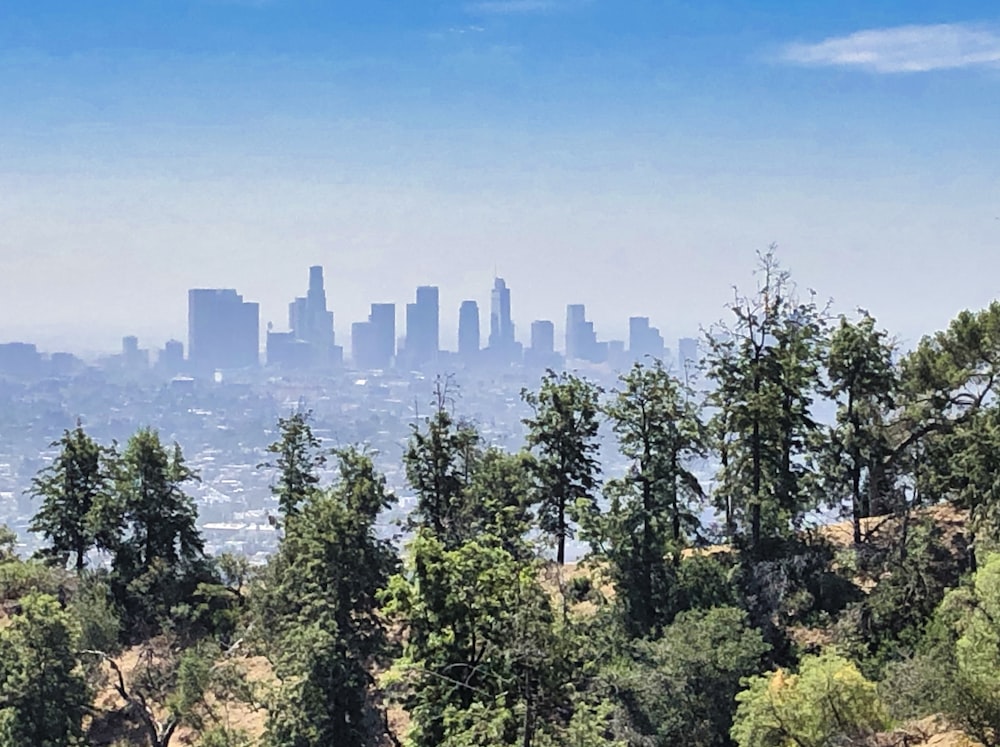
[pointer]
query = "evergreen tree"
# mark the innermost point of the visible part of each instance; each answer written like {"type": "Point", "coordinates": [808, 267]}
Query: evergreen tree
{"type": "Point", "coordinates": [653, 510]}
{"type": "Point", "coordinates": [148, 524]}
{"type": "Point", "coordinates": [440, 461]}
{"type": "Point", "coordinates": [765, 370]}
{"type": "Point", "coordinates": [298, 461]}
{"type": "Point", "coordinates": [69, 488]}
{"type": "Point", "coordinates": [962, 466]}
{"type": "Point", "coordinates": [563, 438]}
{"type": "Point", "coordinates": [499, 500]}
{"type": "Point", "coordinates": [863, 380]}
{"type": "Point", "coordinates": [318, 614]}
{"type": "Point", "coordinates": [483, 663]}
{"type": "Point", "coordinates": [158, 519]}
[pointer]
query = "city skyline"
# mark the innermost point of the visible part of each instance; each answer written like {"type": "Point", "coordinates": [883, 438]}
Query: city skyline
{"type": "Point", "coordinates": [310, 321]}
{"type": "Point", "coordinates": [625, 154]}
{"type": "Point", "coordinates": [310, 341]}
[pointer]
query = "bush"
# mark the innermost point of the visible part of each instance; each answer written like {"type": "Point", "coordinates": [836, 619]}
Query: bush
{"type": "Point", "coordinates": [18, 578]}
{"type": "Point", "coordinates": [95, 611]}
{"type": "Point", "coordinates": [680, 689]}
{"type": "Point", "coordinates": [828, 702]}
{"type": "Point", "coordinates": [703, 582]}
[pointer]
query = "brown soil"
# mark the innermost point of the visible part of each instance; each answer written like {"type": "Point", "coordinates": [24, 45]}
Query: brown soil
{"type": "Point", "coordinates": [113, 726]}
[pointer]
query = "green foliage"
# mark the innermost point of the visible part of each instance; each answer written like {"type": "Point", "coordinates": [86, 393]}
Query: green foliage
{"type": "Point", "coordinates": [589, 726]}
{"type": "Point", "coordinates": [828, 700]}
{"type": "Point", "coordinates": [457, 607]}
{"type": "Point", "coordinates": [680, 688]}
{"type": "Point", "coordinates": [149, 517]}
{"type": "Point", "coordinates": [864, 381]}
{"type": "Point", "coordinates": [962, 466]}
{"type": "Point", "coordinates": [887, 624]}
{"type": "Point", "coordinates": [703, 582]}
{"type": "Point", "coordinates": [298, 460]}
{"type": "Point", "coordinates": [483, 659]}
{"type": "Point", "coordinates": [194, 678]}
{"type": "Point", "coordinates": [317, 613]}
{"type": "Point", "coordinates": [765, 368]}
{"type": "Point", "coordinates": [127, 518]}
{"type": "Point", "coordinates": [962, 649]}
{"type": "Point", "coordinates": [208, 610]}
{"type": "Point", "coordinates": [562, 436]}
{"type": "Point", "coordinates": [76, 480]}
{"type": "Point", "coordinates": [954, 371]}
{"type": "Point", "coordinates": [653, 511]}
{"type": "Point", "coordinates": [148, 524]}
{"type": "Point", "coordinates": [440, 460]}
{"type": "Point", "coordinates": [499, 499]}
{"type": "Point", "coordinates": [950, 383]}
{"type": "Point", "coordinates": [94, 609]}
{"type": "Point", "coordinates": [235, 571]}
{"type": "Point", "coordinates": [222, 736]}
{"type": "Point", "coordinates": [43, 696]}
{"type": "Point", "coordinates": [19, 577]}
{"type": "Point", "coordinates": [8, 541]}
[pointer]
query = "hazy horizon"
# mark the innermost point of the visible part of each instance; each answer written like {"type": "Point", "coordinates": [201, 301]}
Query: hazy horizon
{"type": "Point", "coordinates": [631, 156]}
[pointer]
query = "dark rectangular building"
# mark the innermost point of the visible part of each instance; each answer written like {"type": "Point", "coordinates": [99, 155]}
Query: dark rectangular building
{"type": "Point", "coordinates": [223, 330]}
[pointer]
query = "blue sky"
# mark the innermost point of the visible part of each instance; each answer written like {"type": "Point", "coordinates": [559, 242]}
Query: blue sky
{"type": "Point", "coordinates": [629, 155]}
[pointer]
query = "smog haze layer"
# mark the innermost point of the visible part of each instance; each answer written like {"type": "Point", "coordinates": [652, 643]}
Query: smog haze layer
{"type": "Point", "coordinates": [632, 156]}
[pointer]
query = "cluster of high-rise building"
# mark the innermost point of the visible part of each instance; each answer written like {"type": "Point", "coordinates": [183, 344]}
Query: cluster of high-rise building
{"type": "Point", "coordinates": [224, 333]}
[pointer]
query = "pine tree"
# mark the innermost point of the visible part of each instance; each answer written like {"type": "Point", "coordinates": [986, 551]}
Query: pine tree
{"type": "Point", "coordinates": [765, 370]}
{"type": "Point", "coordinates": [158, 517]}
{"type": "Point", "coordinates": [149, 526]}
{"type": "Point", "coordinates": [317, 611]}
{"type": "Point", "coordinates": [654, 505]}
{"type": "Point", "coordinates": [69, 488]}
{"type": "Point", "coordinates": [440, 461]}
{"type": "Point", "coordinates": [863, 380]}
{"type": "Point", "coordinates": [563, 438]}
{"type": "Point", "coordinates": [299, 458]}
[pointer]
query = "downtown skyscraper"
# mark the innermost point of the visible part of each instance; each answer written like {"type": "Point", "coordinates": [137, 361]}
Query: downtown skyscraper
{"type": "Point", "coordinates": [373, 343]}
{"type": "Point", "coordinates": [501, 324]}
{"type": "Point", "coordinates": [643, 340]}
{"type": "Point", "coordinates": [423, 327]}
{"type": "Point", "coordinates": [503, 348]}
{"type": "Point", "coordinates": [312, 323]}
{"type": "Point", "coordinates": [468, 331]}
{"type": "Point", "coordinates": [311, 342]}
{"type": "Point", "coordinates": [223, 330]}
{"type": "Point", "coordinates": [581, 339]}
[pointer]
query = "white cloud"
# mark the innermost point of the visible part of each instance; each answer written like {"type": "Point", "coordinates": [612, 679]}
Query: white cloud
{"type": "Point", "coordinates": [903, 49]}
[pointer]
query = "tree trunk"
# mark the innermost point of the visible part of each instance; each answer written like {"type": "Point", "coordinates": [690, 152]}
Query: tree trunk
{"type": "Point", "coordinates": [529, 726]}
{"type": "Point", "coordinates": [856, 506]}
{"type": "Point", "coordinates": [756, 468]}
{"type": "Point", "coordinates": [561, 533]}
